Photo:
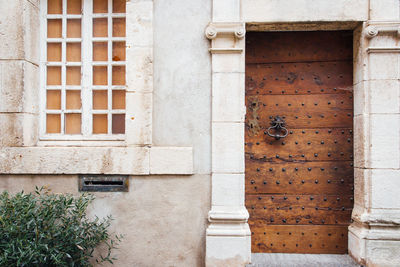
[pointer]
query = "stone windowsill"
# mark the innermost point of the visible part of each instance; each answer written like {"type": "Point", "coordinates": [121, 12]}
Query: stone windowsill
{"type": "Point", "coordinates": [97, 160]}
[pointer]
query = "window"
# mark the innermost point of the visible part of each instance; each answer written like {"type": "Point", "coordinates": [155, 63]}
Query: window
{"type": "Point", "coordinates": [70, 145]}
{"type": "Point", "coordinates": [83, 69]}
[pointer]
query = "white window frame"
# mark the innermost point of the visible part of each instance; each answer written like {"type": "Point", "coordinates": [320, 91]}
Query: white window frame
{"type": "Point", "coordinates": [86, 65]}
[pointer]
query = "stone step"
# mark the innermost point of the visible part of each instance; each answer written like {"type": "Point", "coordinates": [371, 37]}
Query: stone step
{"type": "Point", "coordinates": [301, 260]}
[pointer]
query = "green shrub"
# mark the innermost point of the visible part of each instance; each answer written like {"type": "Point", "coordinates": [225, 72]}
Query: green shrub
{"type": "Point", "coordinates": [43, 229]}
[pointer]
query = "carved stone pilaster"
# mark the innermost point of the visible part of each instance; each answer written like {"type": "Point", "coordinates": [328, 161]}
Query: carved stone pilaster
{"type": "Point", "coordinates": [228, 236]}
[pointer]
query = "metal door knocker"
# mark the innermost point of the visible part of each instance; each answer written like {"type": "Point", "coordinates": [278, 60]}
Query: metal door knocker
{"type": "Point", "coordinates": [279, 125]}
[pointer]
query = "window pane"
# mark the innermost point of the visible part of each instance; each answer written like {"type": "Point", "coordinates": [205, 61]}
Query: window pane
{"type": "Point", "coordinates": [99, 75]}
{"type": "Point", "coordinates": [53, 75]}
{"type": "Point", "coordinates": [74, 7]}
{"type": "Point", "coordinates": [100, 27]}
{"type": "Point", "coordinates": [118, 99]}
{"type": "Point", "coordinates": [54, 52]}
{"type": "Point", "coordinates": [73, 99]}
{"type": "Point", "coordinates": [53, 99]}
{"type": "Point", "coordinates": [100, 52]}
{"type": "Point", "coordinates": [72, 123]}
{"type": "Point", "coordinates": [100, 99]}
{"type": "Point", "coordinates": [118, 27]}
{"type": "Point", "coordinates": [118, 51]}
{"type": "Point", "coordinates": [53, 123]}
{"type": "Point", "coordinates": [118, 123]}
{"type": "Point", "coordinates": [54, 28]}
{"type": "Point", "coordinates": [100, 123]}
{"type": "Point", "coordinates": [74, 52]}
{"type": "Point", "coordinates": [54, 6]}
{"type": "Point", "coordinates": [100, 6]}
{"type": "Point", "coordinates": [74, 28]}
{"type": "Point", "coordinates": [118, 75]}
{"type": "Point", "coordinates": [119, 6]}
{"type": "Point", "coordinates": [73, 75]}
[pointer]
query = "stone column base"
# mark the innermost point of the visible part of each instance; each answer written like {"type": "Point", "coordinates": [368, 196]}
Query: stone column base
{"type": "Point", "coordinates": [375, 245]}
{"type": "Point", "coordinates": [228, 245]}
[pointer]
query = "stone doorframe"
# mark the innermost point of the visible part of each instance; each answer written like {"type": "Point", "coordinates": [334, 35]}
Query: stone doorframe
{"type": "Point", "coordinates": [374, 236]}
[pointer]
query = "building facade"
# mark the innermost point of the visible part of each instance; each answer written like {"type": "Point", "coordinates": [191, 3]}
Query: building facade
{"type": "Point", "coordinates": [180, 135]}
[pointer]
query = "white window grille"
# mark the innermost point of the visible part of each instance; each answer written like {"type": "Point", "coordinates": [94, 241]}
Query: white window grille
{"type": "Point", "coordinates": [83, 73]}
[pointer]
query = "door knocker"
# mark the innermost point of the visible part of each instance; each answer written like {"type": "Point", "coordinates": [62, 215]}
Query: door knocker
{"type": "Point", "coordinates": [278, 124]}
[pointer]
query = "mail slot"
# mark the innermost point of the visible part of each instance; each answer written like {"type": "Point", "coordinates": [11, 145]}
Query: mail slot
{"type": "Point", "coordinates": [103, 183]}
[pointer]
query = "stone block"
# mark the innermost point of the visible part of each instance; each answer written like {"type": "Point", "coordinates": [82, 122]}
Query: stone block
{"type": "Point", "coordinates": [12, 30]}
{"type": "Point", "coordinates": [19, 88]}
{"type": "Point", "coordinates": [227, 189]}
{"type": "Point", "coordinates": [361, 192]}
{"type": "Point", "coordinates": [31, 33]}
{"type": "Point", "coordinates": [383, 66]}
{"type": "Point", "coordinates": [232, 251]}
{"type": "Point", "coordinates": [374, 246]}
{"type": "Point", "coordinates": [360, 72]}
{"type": "Point", "coordinates": [139, 70]}
{"type": "Point", "coordinates": [12, 86]}
{"type": "Point", "coordinates": [356, 243]}
{"type": "Point", "coordinates": [361, 140]}
{"type": "Point", "coordinates": [384, 141]}
{"type": "Point", "coordinates": [228, 97]}
{"type": "Point", "coordinates": [381, 216]}
{"type": "Point", "coordinates": [138, 119]}
{"type": "Point", "coordinates": [18, 129]}
{"type": "Point", "coordinates": [304, 10]}
{"type": "Point", "coordinates": [383, 253]}
{"type": "Point", "coordinates": [384, 9]}
{"type": "Point", "coordinates": [224, 42]}
{"type": "Point", "coordinates": [226, 11]}
{"type": "Point", "coordinates": [139, 15]}
{"type": "Point", "coordinates": [19, 31]}
{"type": "Point", "coordinates": [74, 160]}
{"type": "Point", "coordinates": [171, 160]}
{"type": "Point", "coordinates": [384, 96]}
{"type": "Point", "coordinates": [227, 147]}
{"type": "Point", "coordinates": [385, 189]}
{"type": "Point", "coordinates": [228, 62]}
{"type": "Point", "coordinates": [31, 88]}
{"type": "Point", "coordinates": [361, 98]}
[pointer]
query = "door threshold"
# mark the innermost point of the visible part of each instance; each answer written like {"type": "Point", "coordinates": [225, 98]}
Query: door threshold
{"type": "Point", "coordinates": [301, 260]}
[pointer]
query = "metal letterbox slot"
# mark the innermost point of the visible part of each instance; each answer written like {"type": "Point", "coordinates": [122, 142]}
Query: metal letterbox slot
{"type": "Point", "coordinates": [103, 183]}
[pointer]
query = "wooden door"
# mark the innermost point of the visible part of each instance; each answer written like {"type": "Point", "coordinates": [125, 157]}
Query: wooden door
{"type": "Point", "coordinates": [299, 189]}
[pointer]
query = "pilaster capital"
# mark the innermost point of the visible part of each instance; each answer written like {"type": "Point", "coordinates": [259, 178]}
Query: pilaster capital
{"type": "Point", "coordinates": [374, 28]}
{"type": "Point", "coordinates": [236, 29]}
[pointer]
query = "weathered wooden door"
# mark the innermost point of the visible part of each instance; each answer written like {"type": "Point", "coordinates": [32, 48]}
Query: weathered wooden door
{"type": "Point", "coordinates": [299, 189]}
